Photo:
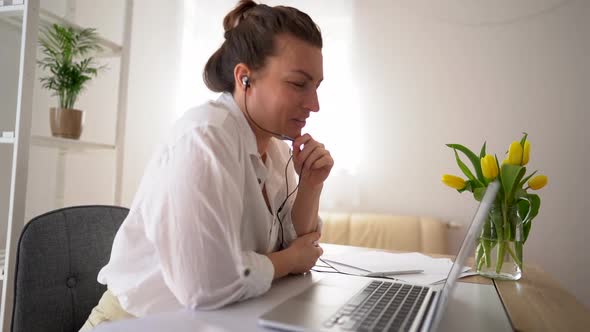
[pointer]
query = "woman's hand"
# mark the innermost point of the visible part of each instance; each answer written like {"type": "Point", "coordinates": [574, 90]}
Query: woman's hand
{"type": "Point", "coordinates": [304, 252]}
{"type": "Point", "coordinates": [315, 161]}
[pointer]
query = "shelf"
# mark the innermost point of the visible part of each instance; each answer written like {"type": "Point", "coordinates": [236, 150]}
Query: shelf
{"type": "Point", "coordinates": [7, 140]}
{"type": "Point", "coordinates": [68, 144]}
{"type": "Point", "coordinates": [10, 10]}
{"type": "Point", "coordinates": [13, 14]}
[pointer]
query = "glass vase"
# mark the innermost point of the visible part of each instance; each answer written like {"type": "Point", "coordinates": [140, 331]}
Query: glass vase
{"type": "Point", "coordinates": [498, 253]}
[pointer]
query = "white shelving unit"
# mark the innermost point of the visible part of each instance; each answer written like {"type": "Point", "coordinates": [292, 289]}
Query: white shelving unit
{"type": "Point", "coordinates": [65, 146]}
{"type": "Point", "coordinates": [16, 10]}
{"type": "Point", "coordinates": [11, 15]}
{"type": "Point", "coordinates": [4, 140]}
{"type": "Point", "coordinates": [2, 258]}
{"type": "Point", "coordinates": [69, 144]}
{"type": "Point", "coordinates": [26, 19]}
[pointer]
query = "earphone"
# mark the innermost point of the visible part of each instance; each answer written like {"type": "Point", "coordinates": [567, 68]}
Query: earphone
{"type": "Point", "coordinates": [246, 84]}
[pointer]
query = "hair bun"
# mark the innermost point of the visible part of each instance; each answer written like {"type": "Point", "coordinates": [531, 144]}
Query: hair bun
{"type": "Point", "coordinates": [250, 31]}
{"type": "Point", "coordinates": [233, 18]}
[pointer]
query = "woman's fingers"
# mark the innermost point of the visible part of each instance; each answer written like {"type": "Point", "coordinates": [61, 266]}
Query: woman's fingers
{"type": "Point", "coordinates": [324, 161]}
{"type": "Point", "coordinates": [317, 153]}
{"type": "Point", "coordinates": [319, 251]}
{"type": "Point", "coordinates": [313, 155]}
{"type": "Point", "coordinates": [299, 141]}
{"type": "Point", "coordinates": [310, 153]}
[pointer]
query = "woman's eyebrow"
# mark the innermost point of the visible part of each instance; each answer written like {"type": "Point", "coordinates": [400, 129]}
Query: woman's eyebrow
{"type": "Point", "coordinates": [306, 74]}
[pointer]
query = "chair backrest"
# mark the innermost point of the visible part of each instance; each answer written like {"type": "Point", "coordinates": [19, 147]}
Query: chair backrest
{"type": "Point", "coordinates": [58, 258]}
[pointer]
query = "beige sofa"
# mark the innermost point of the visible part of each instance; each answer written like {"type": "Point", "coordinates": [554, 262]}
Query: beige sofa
{"type": "Point", "coordinates": [383, 231]}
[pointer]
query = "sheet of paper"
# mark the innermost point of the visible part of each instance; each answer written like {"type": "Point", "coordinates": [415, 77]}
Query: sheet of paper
{"type": "Point", "coordinates": [435, 269]}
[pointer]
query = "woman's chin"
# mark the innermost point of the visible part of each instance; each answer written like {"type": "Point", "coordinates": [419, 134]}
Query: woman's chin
{"type": "Point", "coordinates": [294, 133]}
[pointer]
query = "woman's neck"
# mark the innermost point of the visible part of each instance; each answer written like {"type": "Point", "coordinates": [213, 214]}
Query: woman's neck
{"type": "Point", "coordinates": [262, 144]}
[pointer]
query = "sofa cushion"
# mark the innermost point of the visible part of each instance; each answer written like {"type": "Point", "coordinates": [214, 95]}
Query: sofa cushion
{"type": "Point", "coordinates": [383, 231]}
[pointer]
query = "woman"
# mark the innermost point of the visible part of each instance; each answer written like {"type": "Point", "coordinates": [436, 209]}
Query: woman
{"type": "Point", "coordinates": [212, 222]}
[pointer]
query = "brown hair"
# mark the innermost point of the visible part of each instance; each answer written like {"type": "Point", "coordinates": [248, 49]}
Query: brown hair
{"type": "Point", "coordinates": [250, 31]}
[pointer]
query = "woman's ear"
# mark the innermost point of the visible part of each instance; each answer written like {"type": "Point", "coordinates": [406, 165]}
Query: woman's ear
{"type": "Point", "coordinates": [242, 77]}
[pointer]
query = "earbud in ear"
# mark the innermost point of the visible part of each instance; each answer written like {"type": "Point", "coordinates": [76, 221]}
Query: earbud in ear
{"type": "Point", "coordinates": [245, 81]}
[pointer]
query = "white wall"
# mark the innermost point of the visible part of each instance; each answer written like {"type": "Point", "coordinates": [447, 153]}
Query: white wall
{"type": "Point", "coordinates": [153, 84]}
{"type": "Point", "coordinates": [428, 77]}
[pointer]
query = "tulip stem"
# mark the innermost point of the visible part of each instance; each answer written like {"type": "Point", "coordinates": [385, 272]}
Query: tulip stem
{"type": "Point", "coordinates": [518, 261]}
{"type": "Point", "coordinates": [500, 256]}
{"type": "Point", "coordinates": [518, 252]}
{"type": "Point", "coordinates": [479, 255]}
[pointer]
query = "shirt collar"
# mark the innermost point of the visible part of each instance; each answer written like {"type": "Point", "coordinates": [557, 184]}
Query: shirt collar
{"type": "Point", "coordinates": [227, 99]}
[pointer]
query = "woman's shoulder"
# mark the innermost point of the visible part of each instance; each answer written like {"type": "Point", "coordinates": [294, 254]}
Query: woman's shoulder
{"type": "Point", "coordinates": [210, 117]}
{"type": "Point", "coordinates": [212, 113]}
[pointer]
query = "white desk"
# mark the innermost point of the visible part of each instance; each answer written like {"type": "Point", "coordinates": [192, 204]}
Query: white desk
{"type": "Point", "coordinates": [474, 307]}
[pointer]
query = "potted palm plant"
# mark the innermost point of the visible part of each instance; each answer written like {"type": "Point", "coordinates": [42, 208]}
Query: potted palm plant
{"type": "Point", "coordinates": [67, 58]}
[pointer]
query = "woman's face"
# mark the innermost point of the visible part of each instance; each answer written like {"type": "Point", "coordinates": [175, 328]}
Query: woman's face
{"type": "Point", "coordinates": [284, 91]}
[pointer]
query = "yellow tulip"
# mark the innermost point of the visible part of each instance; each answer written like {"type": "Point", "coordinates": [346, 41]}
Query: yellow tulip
{"type": "Point", "coordinates": [538, 182]}
{"type": "Point", "coordinates": [515, 153]}
{"type": "Point", "coordinates": [489, 167]}
{"type": "Point", "coordinates": [526, 152]}
{"type": "Point", "coordinates": [453, 181]}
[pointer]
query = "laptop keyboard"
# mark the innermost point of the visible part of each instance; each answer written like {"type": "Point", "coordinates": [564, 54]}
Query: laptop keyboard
{"type": "Point", "coordinates": [380, 306]}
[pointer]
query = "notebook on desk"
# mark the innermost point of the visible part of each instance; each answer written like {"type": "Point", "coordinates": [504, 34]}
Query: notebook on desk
{"type": "Point", "coordinates": [366, 304]}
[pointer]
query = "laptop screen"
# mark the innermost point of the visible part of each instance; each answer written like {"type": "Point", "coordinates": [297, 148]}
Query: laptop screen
{"type": "Point", "coordinates": [467, 248]}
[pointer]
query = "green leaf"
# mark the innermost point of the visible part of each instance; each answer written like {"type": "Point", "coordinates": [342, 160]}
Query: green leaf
{"type": "Point", "coordinates": [519, 193]}
{"type": "Point", "coordinates": [478, 193]}
{"type": "Point", "coordinates": [468, 186]}
{"type": "Point", "coordinates": [524, 208]}
{"type": "Point", "coordinates": [482, 153]}
{"type": "Point", "coordinates": [526, 229]}
{"type": "Point", "coordinates": [523, 139]}
{"type": "Point", "coordinates": [526, 179]}
{"type": "Point", "coordinates": [464, 167]}
{"type": "Point", "coordinates": [497, 222]}
{"type": "Point", "coordinates": [511, 175]}
{"type": "Point", "coordinates": [472, 157]}
{"type": "Point", "coordinates": [62, 47]}
{"type": "Point", "coordinates": [535, 202]}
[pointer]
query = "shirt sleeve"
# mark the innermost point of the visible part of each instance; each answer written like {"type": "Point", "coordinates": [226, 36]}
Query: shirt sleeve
{"type": "Point", "coordinates": [290, 233]}
{"type": "Point", "coordinates": [195, 210]}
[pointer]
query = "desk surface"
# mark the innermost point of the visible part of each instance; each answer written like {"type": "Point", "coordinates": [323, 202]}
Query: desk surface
{"type": "Point", "coordinates": [534, 303]}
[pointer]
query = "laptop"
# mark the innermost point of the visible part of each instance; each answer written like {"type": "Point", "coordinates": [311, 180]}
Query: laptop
{"type": "Point", "coordinates": [368, 304]}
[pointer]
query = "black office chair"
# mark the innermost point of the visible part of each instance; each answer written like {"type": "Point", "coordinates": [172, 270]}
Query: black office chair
{"type": "Point", "coordinates": [58, 258]}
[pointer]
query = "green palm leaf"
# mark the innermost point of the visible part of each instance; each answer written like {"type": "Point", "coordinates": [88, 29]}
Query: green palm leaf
{"type": "Point", "coordinates": [65, 51]}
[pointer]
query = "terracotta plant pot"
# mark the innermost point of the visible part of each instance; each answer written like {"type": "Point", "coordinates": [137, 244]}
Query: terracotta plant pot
{"type": "Point", "coordinates": [66, 123]}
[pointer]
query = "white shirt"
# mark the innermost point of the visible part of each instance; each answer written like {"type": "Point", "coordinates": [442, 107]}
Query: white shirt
{"type": "Point", "coordinates": [199, 227]}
